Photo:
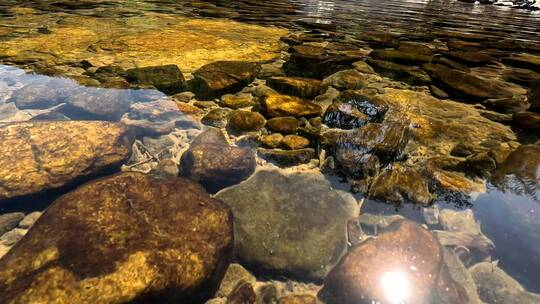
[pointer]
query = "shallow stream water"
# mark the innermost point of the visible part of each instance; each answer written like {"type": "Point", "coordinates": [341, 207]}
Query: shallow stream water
{"type": "Point", "coordinates": [454, 91]}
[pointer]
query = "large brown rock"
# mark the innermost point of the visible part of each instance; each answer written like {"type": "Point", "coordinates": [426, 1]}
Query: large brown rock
{"type": "Point", "coordinates": [223, 77]}
{"type": "Point", "coordinates": [215, 164]}
{"type": "Point", "coordinates": [38, 156]}
{"type": "Point", "coordinates": [122, 239]}
{"type": "Point", "coordinates": [404, 264]}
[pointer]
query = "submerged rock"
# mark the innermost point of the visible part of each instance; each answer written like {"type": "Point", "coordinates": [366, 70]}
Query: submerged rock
{"type": "Point", "coordinates": [9, 221]}
{"type": "Point", "coordinates": [277, 105]}
{"type": "Point", "coordinates": [215, 164]}
{"type": "Point", "coordinates": [346, 80]}
{"type": "Point", "coordinates": [123, 239]}
{"type": "Point", "coordinates": [519, 172]}
{"type": "Point", "coordinates": [295, 142]}
{"type": "Point", "coordinates": [297, 299]}
{"type": "Point", "coordinates": [404, 56]}
{"type": "Point", "coordinates": [157, 117]}
{"type": "Point", "coordinates": [272, 140]}
{"type": "Point", "coordinates": [285, 125]}
{"type": "Point", "coordinates": [38, 156]}
{"type": "Point", "coordinates": [222, 77]}
{"type": "Point", "coordinates": [43, 94]}
{"type": "Point", "coordinates": [462, 230]}
{"type": "Point", "coordinates": [352, 110]}
{"type": "Point", "coordinates": [218, 117]}
{"type": "Point", "coordinates": [245, 121]}
{"type": "Point", "coordinates": [528, 120]}
{"type": "Point", "coordinates": [287, 157]}
{"type": "Point", "coordinates": [166, 78]}
{"type": "Point", "coordinates": [401, 184]}
{"type": "Point", "coordinates": [412, 75]}
{"type": "Point", "coordinates": [237, 101]}
{"type": "Point", "coordinates": [297, 86]}
{"type": "Point", "coordinates": [281, 217]}
{"type": "Point", "coordinates": [474, 86]}
{"type": "Point", "coordinates": [495, 286]}
{"type": "Point", "coordinates": [403, 264]}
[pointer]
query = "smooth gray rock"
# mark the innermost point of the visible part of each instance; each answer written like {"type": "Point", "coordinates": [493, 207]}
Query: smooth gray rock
{"type": "Point", "coordinates": [289, 224]}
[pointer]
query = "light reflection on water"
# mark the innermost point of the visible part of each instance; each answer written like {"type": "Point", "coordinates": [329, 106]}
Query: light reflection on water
{"type": "Point", "coordinates": [33, 94]}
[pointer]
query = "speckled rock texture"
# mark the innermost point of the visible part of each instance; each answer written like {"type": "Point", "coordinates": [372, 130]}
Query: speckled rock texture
{"type": "Point", "coordinates": [38, 156]}
{"type": "Point", "coordinates": [127, 238]}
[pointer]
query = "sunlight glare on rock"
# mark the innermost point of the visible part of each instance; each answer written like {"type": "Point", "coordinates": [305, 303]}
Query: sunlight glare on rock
{"type": "Point", "coordinates": [395, 286]}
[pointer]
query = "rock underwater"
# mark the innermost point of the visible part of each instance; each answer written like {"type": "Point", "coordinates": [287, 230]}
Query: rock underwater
{"type": "Point", "coordinates": [289, 224]}
{"type": "Point", "coordinates": [39, 156]}
{"type": "Point", "coordinates": [127, 238]}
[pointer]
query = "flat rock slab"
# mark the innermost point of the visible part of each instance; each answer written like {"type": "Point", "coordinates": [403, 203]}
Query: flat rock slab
{"type": "Point", "coordinates": [38, 156]}
{"type": "Point", "coordinates": [289, 224]}
{"type": "Point", "coordinates": [122, 239]}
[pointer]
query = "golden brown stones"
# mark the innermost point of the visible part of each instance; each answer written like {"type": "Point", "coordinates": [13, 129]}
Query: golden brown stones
{"type": "Point", "coordinates": [38, 156]}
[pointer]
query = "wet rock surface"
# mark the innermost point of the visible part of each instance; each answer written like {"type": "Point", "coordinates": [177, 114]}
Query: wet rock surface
{"type": "Point", "coordinates": [494, 285]}
{"type": "Point", "coordinates": [277, 105]}
{"type": "Point", "coordinates": [134, 215]}
{"type": "Point", "coordinates": [41, 156]}
{"type": "Point", "coordinates": [275, 222]}
{"type": "Point", "coordinates": [215, 164]}
{"type": "Point", "coordinates": [221, 77]}
{"type": "Point", "coordinates": [166, 78]}
{"type": "Point", "coordinates": [297, 86]}
{"type": "Point", "coordinates": [406, 252]}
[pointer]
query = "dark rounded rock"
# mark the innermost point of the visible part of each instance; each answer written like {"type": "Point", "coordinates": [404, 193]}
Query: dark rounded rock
{"type": "Point", "coordinates": [242, 294]}
{"type": "Point", "coordinates": [222, 77]}
{"type": "Point", "coordinates": [403, 264]}
{"type": "Point", "coordinates": [166, 78]}
{"type": "Point", "coordinates": [215, 164]}
{"type": "Point", "coordinates": [123, 239]}
{"type": "Point", "coordinates": [528, 120]}
{"type": "Point", "coordinates": [352, 110]}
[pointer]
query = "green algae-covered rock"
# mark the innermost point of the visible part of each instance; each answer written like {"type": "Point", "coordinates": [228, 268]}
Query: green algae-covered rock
{"type": "Point", "coordinates": [122, 239]}
{"type": "Point", "coordinates": [289, 224]}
